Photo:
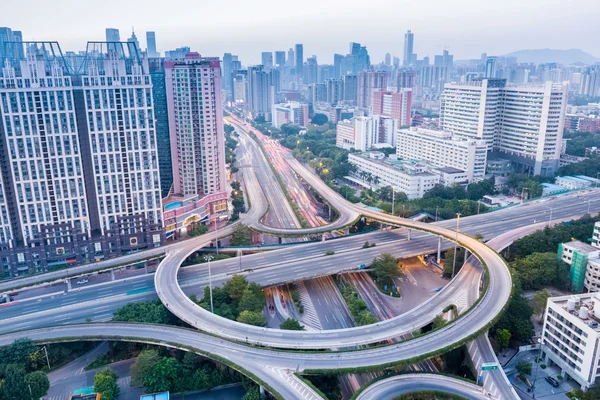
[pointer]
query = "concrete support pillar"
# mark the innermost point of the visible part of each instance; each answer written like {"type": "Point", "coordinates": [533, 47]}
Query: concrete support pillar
{"type": "Point", "coordinates": [68, 282]}
{"type": "Point", "coordinates": [439, 252]}
{"type": "Point", "coordinates": [329, 207]}
{"type": "Point", "coordinates": [112, 275]}
{"type": "Point", "coordinates": [409, 234]}
{"type": "Point", "coordinates": [146, 267]}
{"type": "Point", "coordinates": [346, 231]}
{"type": "Point", "coordinates": [262, 392]}
{"type": "Point", "coordinates": [466, 255]}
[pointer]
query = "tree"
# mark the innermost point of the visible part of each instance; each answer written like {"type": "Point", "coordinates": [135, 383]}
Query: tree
{"type": "Point", "coordinates": [319, 119]}
{"type": "Point", "coordinates": [235, 287]}
{"type": "Point", "coordinates": [449, 262]}
{"type": "Point", "coordinates": [291, 324]}
{"type": "Point", "coordinates": [38, 383]}
{"type": "Point", "coordinates": [385, 267]}
{"type": "Point", "coordinates": [18, 352]}
{"type": "Point", "coordinates": [503, 336]}
{"type": "Point", "coordinates": [523, 368]}
{"type": "Point", "coordinates": [250, 301]}
{"type": "Point", "coordinates": [240, 236]}
{"type": "Point", "coordinates": [163, 375]}
{"type": "Point", "coordinates": [105, 384]}
{"type": "Point", "coordinates": [13, 385]}
{"type": "Point", "coordinates": [150, 312]}
{"type": "Point", "coordinates": [142, 366]}
{"type": "Point", "coordinates": [252, 318]}
{"type": "Point", "coordinates": [539, 301]}
{"type": "Point", "coordinates": [539, 270]}
{"type": "Point", "coordinates": [252, 394]}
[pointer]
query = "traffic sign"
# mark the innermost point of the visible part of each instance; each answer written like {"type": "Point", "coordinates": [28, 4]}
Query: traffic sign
{"type": "Point", "coordinates": [489, 366]}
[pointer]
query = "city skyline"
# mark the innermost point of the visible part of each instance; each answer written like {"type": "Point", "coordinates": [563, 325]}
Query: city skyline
{"type": "Point", "coordinates": [434, 28]}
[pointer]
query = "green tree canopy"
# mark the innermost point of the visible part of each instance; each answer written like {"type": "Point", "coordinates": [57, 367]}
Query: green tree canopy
{"type": "Point", "coordinates": [38, 383]}
{"type": "Point", "coordinates": [105, 384]}
{"type": "Point", "coordinates": [539, 270]}
{"type": "Point", "coordinates": [142, 366]}
{"type": "Point", "coordinates": [241, 236]}
{"type": "Point", "coordinates": [539, 301]}
{"type": "Point", "coordinates": [252, 318]}
{"type": "Point", "coordinates": [385, 267]}
{"type": "Point", "coordinates": [291, 324]}
{"type": "Point", "coordinates": [151, 312]}
{"type": "Point", "coordinates": [523, 368]}
{"type": "Point", "coordinates": [503, 336]}
{"type": "Point", "coordinates": [163, 375]}
{"type": "Point", "coordinates": [319, 119]}
{"type": "Point", "coordinates": [13, 387]}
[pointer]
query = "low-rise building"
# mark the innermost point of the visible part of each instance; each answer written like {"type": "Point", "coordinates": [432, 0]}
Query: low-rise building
{"type": "Point", "coordinates": [596, 235]}
{"type": "Point", "coordinates": [442, 149]}
{"type": "Point", "coordinates": [571, 337]}
{"type": "Point", "coordinates": [290, 113]}
{"type": "Point", "coordinates": [344, 134]}
{"type": "Point", "coordinates": [576, 182]}
{"type": "Point", "coordinates": [567, 159]}
{"type": "Point", "coordinates": [365, 133]}
{"type": "Point", "coordinates": [584, 260]}
{"type": "Point", "coordinates": [374, 170]}
{"type": "Point", "coordinates": [181, 213]}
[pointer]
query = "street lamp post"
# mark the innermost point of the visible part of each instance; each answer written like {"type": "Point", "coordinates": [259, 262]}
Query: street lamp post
{"type": "Point", "coordinates": [551, 210]}
{"type": "Point", "coordinates": [436, 214]}
{"type": "Point", "coordinates": [523, 194]}
{"type": "Point", "coordinates": [393, 199]}
{"type": "Point", "coordinates": [589, 205]}
{"type": "Point", "coordinates": [455, 243]}
{"type": "Point", "coordinates": [216, 236]}
{"type": "Point", "coordinates": [208, 258]}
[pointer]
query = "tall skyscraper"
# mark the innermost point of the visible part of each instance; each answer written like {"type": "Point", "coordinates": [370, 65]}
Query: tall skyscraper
{"type": "Point", "coordinates": [299, 53]}
{"type": "Point", "coordinates": [112, 35]}
{"type": "Point", "coordinates": [177, 54]}
{"type": "Point", "coordinates": [291, 60]}
{"type": "Point", "coordinates": [334, 90]}
{"type": "Point", "coordinates": [350, 87]}
{"type": "Point", "coordinates": [83, 187]}
{"type": "Point", "coordinates": [521, 123]}
{"type": "Point", "coordinates": [388, 59]}
{"type": "Point", "coordinates": [134, 39]}
{"type": "Point", "coordinates": [368, 81]}
{"type": "Point", "coordinates": [409, 38]}
{"type": "Point", "coordinates": [151, 44]}
{"type": "Point", "coordinates": [10, 51]}
{"type": "Point", "coordinates": [354, 49]}
{"type": "Point", "coordinates": [161, 115]}
{"type": "Point", "coordinates": [337, 65]}
{"type": "Point", "coordinates": [258, 99]}
{"type": "Point", "coordinates": [490, 67]}
{"type": "Point", "coordinates": [196, 125]}
{"type": "Point", "coordinates": [405, 79]}
{"type": "Point", "coordinates": [227, 77]}
{"type": "Point", "coordinates": [312, 70]}
{"type": "Point", "coordinates": [267, 59]}
{"type": "Point", "coordinates": [280, 58]}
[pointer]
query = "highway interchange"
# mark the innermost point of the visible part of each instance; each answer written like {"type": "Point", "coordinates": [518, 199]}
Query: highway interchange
{"type": "Point", "coordinates": [166, 280]}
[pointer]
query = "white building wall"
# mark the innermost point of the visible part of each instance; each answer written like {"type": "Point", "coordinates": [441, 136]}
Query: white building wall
{"type": "Point", "coordinates": [43, 147]}
{"type": "Point", "coordinates": [344, 134]}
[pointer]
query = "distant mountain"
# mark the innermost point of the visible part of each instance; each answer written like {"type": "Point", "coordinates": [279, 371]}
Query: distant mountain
{"type": "Point", "coordinates": [539, 56]}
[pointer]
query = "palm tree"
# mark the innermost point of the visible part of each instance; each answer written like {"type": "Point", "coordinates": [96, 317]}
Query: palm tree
{"type": "Point", "coordinates": [376, 180]}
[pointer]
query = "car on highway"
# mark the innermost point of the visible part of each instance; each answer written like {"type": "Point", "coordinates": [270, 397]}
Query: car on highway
{"type": "Point", "coordinates": [555, 383]}
{"type": "Point", "coordinates": [82, 282]}
{"type": "Point", "coordinates": [361, 266]}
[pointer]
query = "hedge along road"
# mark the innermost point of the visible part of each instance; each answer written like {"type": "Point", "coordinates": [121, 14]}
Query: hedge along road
{"type": "Point", "coordinates": [476, 321]}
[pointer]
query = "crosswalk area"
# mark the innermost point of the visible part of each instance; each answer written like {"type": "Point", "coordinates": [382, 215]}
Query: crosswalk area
{"type": "Point", "coordinates": [301, 389]}
{"type": "Point", "coordinates": [309, 317]}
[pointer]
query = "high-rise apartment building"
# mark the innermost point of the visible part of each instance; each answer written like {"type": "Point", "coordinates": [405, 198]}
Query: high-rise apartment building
{"type": "Point", "coordinates": [151, 45]}
{"type": "Point", "coordinates": [409, 39]}
{"type": "Point", "coordinates": [299, 57]}
{"type": "Point", "coordinates": [368, 81]}
{"type": "Point", "coordinates": [267, 59]}
{"type": "Point", "coordinates": [334, 90]}
{"type": "Point", "coordinates": [292, 112]}
{"type": "Point", "coordinates": [337, 65]}
{"type": "Point", "coordinates": [280, 58]}
{"type": "Point", "coordinates": [177, 54]}
{"type": "Point", "coordinates": [8, 35]}
{"type": "Point", "coordinates": [311, 71]}
{"type": "Point", "coordinates": [291, 59]}
{"type": "Point", "coordinates": [226, 77]}
{"type": "Point", "coordinates": [388, 59]}
{"type": "Point", "coordinates": [396, 105]}
{"type": "Point", "coordinates": [405, 79]}
{"type": "Point", "coordinates": [350, 87]}
{"type": "Point", "coordinates": [80, 178]}
{"type": "Point", "coordinates": [196, 124]}
{"type": "Point", "coordinates": [521, 123]}
{"type": "Point", "coordinates": [239, 88]}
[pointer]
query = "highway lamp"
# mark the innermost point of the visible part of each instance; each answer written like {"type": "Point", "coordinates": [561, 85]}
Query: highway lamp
{"type": "Point", "coordinates": [393, 199]}
{"type": "Point", "coordinates": [216, 236]}
{"type": "Point", "coordinates": [208, 258]}
{"type": "Point", "coordinates": [436, 214]}
{"type": "Point", "coordinates": [551, 210]}
{"type": "Point", "coordinates": [455, 243]}
{"type": "Point", "coordinates": [589, 205]}
{"type": "Point", "coordinates": [537, 366]}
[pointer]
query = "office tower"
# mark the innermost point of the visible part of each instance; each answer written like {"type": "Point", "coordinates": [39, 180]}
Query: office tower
{"type": "Point", "coordinates": [275, 80]}
{"type": "Point", "coordinates": [177, 54]}
{"type": "Point", "coordinates": [311, 72]}
{"type": "Point", "coordinates": [409, 38]}
{"type": "Point", "coordinates": [299, 54]}
{"type": "Point", "coordinates": [267, 59]}
{"type": "Point", "coordinates": [396, 62]}
{"type": "Point", "coordinates": [227, 79]}
{"type": "Point", "coordinates": [490, 67]}
{"type": "Point", "coordinates": [80, 187]}
{"type": "Point", "coordinates": [523, 124]}
{"type": "Point", "coordinates": [388, 59]}
{"type": "Point", "coordinates": [156, 67]}
{"type": "Point", "coordinates": [337, 65]}
{"type": "Point", "coordinates": [405, 79]}
{"type": "Point", "coordinates": [396, 105]}
{"type": "Point", "coordinates": [151, 44]}
{"type": "Point", "coordinates": [350, 87]}
{"type": "Point", "coordinates": [280, 58]}
{"type": "Point", "coordinates": [133, 39]}
{"type": "Point", "coordinates": [112, 35]}
{"type": "Point", "coordinates": [196, 125]}
{"type": "Point", "coordinates": [257, 99]}
{"type": "Point", "coordinates": [291, 60]}
{"type": "Point", "coordinates": [368, 81]}
{"type": "Point", "coordinates": [354, 48]}
{"type": "Point", "coordinates": [325, 72]}
{"type": "Point", "coordinates": [335, 90]}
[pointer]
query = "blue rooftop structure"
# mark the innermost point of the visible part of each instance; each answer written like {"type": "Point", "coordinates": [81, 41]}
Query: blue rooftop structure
{"type": "Point", "coordinates": [155, 396]}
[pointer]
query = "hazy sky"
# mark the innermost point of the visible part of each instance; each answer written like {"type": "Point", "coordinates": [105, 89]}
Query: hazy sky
{"type": "Point", "coordinates": [247, 27]}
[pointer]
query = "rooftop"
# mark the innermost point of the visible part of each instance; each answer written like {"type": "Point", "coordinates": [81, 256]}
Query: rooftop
{"type": "Point", "coordinates": [581, 247]}
{"type": "Point", "coordinates": [450, 170]}
{"type": "Point", "coordinates": [588, 300]}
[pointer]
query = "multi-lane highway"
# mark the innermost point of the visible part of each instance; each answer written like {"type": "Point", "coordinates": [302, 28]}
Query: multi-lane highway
{"type": "Point", "coordinates": [268, 365]}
